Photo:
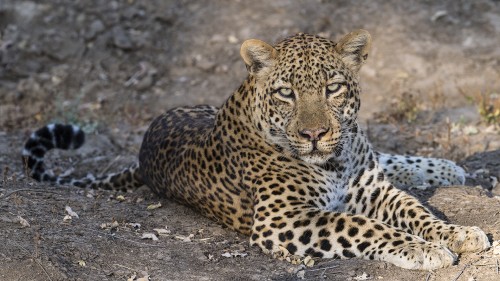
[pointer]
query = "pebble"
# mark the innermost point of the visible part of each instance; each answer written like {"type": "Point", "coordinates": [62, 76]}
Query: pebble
{"type": "Point", "coordinates": [94, 29]}
{"type": "Point", "coordinates": [121, 39]}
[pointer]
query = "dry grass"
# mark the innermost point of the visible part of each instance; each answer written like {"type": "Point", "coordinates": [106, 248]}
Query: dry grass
{"type": "Point", "coordinates": [489, 107]}
{"type": "Point", "coordinates": [403, 108]}
{"type": "Point", "coordinates": [487, 103]}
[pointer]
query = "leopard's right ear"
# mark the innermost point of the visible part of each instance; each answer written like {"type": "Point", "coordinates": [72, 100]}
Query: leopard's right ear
{"type": "Point", "coordinates": [354, 48]}
{"type": "Point", "coordinates": [257, 55]}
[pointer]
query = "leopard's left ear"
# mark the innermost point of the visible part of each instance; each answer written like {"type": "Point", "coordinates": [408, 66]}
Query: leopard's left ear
{"type": "Point", "coordinates": [354, 48]}
{"type": "Point", "coordinates": [258, 55]}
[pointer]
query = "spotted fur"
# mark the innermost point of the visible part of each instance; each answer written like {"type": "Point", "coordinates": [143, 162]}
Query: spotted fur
{"type": "Point", "coordinates": [285, 162]}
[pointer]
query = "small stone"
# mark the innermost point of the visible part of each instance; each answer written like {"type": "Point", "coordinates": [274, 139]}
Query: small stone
{"type": "Point", "coordinates": [121, 39]}
{"type": "Point", "coordinates": [94, 29]}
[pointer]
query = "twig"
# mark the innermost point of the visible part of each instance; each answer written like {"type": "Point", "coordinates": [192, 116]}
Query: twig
{"type": "Point", "coordinates": [112, 162]}
{"type": "Point", "coordinates": [134, 270]}
{"type": "Point", "coordinates": [128, 240]}
{"type": "Point", "coordinates": [485, 264]}
{"type": "Point", "coordinates": [27, 189]}
{"type": "Point", "coordinates": [461, 272]}
{"type": "Point", "coordinates": [43, 268]}
{"type": "Point", "coordinates": [465, 267]}
{"type": "Point", "coordinates": [323, 273]}
{"type": "Point", "coordinates": [15, 191]}
{"type": "Point", "coordinates": [498, 268]}
{"type": "Point", "coordinates": [37, 262]}
{"type": "Point", "coordinates": [428, 276]}
{"type": "Point", "coordinates": [325, 268]}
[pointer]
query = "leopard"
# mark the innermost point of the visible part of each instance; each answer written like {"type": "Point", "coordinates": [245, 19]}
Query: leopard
{"type": "Point", "coordinates": [285, 162]}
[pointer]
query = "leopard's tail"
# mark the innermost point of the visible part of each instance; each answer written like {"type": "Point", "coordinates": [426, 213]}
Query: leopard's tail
{"type": "Point", "coordinates": [70, 137]}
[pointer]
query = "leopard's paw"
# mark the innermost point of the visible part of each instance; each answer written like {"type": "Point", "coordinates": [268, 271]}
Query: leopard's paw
{"type": "Point", "coordinates": [423, 256]}
{"type": "Point", "coordinates": [467, 239]}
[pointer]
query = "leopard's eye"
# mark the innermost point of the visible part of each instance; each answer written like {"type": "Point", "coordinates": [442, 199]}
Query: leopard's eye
{"type": "Point", "coordinates": [334, 89]}
{"type": "Point", "coordinates": [285, 93]}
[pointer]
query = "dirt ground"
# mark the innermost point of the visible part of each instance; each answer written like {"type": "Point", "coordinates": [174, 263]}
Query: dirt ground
{"type": "Point", "coordinates": [430, 88]}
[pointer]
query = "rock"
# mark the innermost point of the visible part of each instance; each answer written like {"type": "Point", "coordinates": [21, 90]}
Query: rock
{"type": "Point", "coordinates": [121, 39]}
{"type": "Point", "coordinates": [62, 48]}
{"type": "Point", "coordinates": [96, 27]}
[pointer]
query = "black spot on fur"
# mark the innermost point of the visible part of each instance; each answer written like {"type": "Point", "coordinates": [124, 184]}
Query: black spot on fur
{"type": "Point", "coordinates": [305, 238]}
{"type": "Point", "coordinates": [344, 242]}
{"type": "Point", "coordinates": [353, 231]}
{"type": "Point", "coordinates": [340, 225]}
{"type": "Point", "coordinates": [291, 248]}
{"type": "Point", "coordinates": [362, 246]}
{"type": "Point", "coordinates": [325, 245]}
{"type": "Point", "coordinates": [348, 254]}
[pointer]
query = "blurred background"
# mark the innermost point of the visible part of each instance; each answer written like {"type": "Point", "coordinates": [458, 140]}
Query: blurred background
{"type": "Point", "coordinates": [120, 63]}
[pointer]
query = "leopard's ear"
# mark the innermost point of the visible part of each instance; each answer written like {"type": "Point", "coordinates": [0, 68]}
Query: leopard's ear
{"type": "Point", "coordinates": [354, 48]}
{"type": "Point", "coordinates": [257, 55]}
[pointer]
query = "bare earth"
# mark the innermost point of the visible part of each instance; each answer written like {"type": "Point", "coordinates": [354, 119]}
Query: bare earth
{"type": "Point", "coordinates": [112, 66]}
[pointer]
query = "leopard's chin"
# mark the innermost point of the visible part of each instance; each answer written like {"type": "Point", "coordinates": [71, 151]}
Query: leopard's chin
{"type": "Point", "coordinates": [316, 157]}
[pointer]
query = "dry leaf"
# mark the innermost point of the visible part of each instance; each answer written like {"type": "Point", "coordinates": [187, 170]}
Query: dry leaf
{"type": "Point", "coordinates": [162, 231]}
{"type": "Point", "coordinates": [308, 261]}
{"type": "Point", "coordinates": [82, 263]}
{"type": "Point", "coordinates": [67, 218]}
{"type": "Point", "coordinates": [184, 238]}
{"type": "Point", "coordinates": [149, 236]}
{"type": "Point", "coordinates": [23, 222]}
{"type": "Point", "coordinates": [71, 212]}
{"type": "Point", "coordinates": [154, 206]}
{"type": "Point", "coordinates": [120, 198]}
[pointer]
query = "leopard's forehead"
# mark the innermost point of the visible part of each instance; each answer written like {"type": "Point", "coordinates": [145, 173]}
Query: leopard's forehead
{"type": "Point", "coordinates": [307, 60]}
{"type": "Point", "coordinates": [306, 44]}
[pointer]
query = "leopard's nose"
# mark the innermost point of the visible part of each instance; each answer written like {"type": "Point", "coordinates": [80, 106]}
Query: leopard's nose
{"type": "Point", "coordinates": [313, 134]}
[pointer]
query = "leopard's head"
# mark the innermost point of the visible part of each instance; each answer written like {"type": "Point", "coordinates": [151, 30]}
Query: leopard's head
{"type": "Point", "coordinates": [305, 92]}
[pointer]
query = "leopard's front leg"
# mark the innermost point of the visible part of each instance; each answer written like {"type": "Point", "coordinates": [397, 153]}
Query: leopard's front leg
{"type": "Point", "coordinates": [308, 231]}
{"type": "Point", "coordinates": [283, 217]}
{"type": "Point", "coordinates": [370, 194]}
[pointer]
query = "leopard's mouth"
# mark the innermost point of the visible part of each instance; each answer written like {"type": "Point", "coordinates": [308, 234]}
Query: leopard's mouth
{"type": "Point", "coordinates": [315, 156]}
{"type": "Point", "coordinates": [318, 152]}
